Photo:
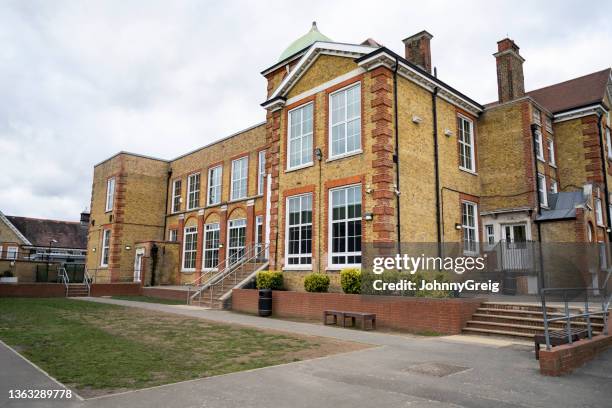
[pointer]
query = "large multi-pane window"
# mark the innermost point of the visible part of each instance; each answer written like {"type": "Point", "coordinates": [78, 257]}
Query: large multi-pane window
{"type": "Point", "coordinates": [211, 246]}
{"type": "Point", "coordinates": [193, 191]}
{"type": "Point", "coordinates": [598, 212]}
{"type": "Point", "coordinates": [467, 159]}
{"type": "Point", "coordinates": [236, 240]}
{"type": "Point", "coordinates": [259, 235]}
{"type": "Point", "coordinates": [240, 170]}
{"type": "Point", "coordinates": [345, 123]}
{"type": "Point", "coordinates": [469, 226]}
{"type": "Point", "coordinates": [299, 230]}
{"type": "Point", "coordinates": [215, 176]}
{"type": "Point", "coordinates": [542, 194]}
{"type": "Point", "coordinates": [300, 137]}
{"type": "Point", "coordinates": [106, 236]}
{"type": "Point", "coordinates": [110, 194]}
{"type": "Point", "coordinates": [12, 252]}
{"type": "Point", "coordinates": [551, 151]}
{"type": "Point", "coordinates": [345, 226]}
{"type": "Point", "coordinates": [261, 172]}
{"type": "Point", "coordinates": [190, 243]}
{"type": "Point", "coordinates": [176, 195]}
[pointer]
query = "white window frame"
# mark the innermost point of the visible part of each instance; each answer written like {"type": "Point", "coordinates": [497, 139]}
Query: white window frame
{"type": "Point", "coordinates": [261, 172]}
{"type": "Point", "coordinates": [463, 145]}
{"type": "Point", "coordinates": [299, 225]}
{"type": "Point", "coordinates": [211, 227]}
{"type": "Point", "coordinates": [110, 194]}
{"type": "Point", "coordinates": [105, 255]}
{"type": "Point", "coordinates": [598, 212]}
{"type": "Point", "coordinates": [542, 191]}
{"type": "Point", "coordinates": [302, 137]}
{"type": "Point", "coordinates": [236, 223]}
{"type": "Point", "coordinates": [550, 144]}
{"type": "Point", "coordinates": [490, 234]}
{"type": "Point", "coordinates": [12, 252]}
{"type": "Point", "coordinates": [1, 254]}
{"type": "Point", "coordinates": [345, 122]}
{"type": "Point", "coordinates": [176, 204]}
{"type": "Point", "coordinates": [240, 183]}
{"type": "Point", "coordinates": [330, 223]}
{"type": "Point", "coordinates": [539, 145]}
{"type": "Point", "coordinates": [609, 143]}
{"type": "Point", "coordinates": [172, 235]}
{"type": "Point", "coordinates": [192, 232]}
{"type": "Point", "coordinates": [554, 187]}
{"type": "Point", "coordinates": [467, 227]}
{"type": "Point", "coordinates": [193, 192]}
{"type": "Point", "coordinates": [218, 187]}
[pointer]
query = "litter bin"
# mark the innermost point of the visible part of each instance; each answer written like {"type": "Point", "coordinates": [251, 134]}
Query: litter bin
{"type": "Point", "coordinates": [265, 302]}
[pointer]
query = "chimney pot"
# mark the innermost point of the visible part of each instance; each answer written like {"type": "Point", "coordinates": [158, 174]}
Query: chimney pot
{"type": "Point", "coordinates": [418, 49]}
{"type": "Point", "coordinates": [85, 218]}
{"type": "Point", "coordinates": [510, 79]}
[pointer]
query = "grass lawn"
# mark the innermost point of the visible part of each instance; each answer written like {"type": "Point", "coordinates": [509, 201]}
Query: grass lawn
{"type": "Point", "coordinates": [99, 348]}
{"type": "Point", "coordinates": [149, 299]}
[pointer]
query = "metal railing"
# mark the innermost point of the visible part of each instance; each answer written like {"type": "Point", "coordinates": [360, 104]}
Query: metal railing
{"type": "Point", "coordinates": [62, 276]}
{"type": "Point", "coordinates": [87, 280]}
{"type": "Point", "coordinates": [568, 317]}
{"type": "Point", "coordinates": [251, 255]}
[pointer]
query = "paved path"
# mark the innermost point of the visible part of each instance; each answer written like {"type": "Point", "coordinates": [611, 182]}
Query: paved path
{"type": "Point", "coordinates": [17, 373]}
{"type": "Point", "coordinates": [404, 371]}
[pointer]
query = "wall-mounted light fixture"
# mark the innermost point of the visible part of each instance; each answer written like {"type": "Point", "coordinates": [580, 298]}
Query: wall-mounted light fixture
{"type": "Point", "coordinates": [220, 245]}
{"type": "Point", "coordinates": [127, 247]}
{"type": "Point", "coordinates": [93, 249]}
{"type": "Point", "coordinates": [448, 132]}
{"type": "Point", "coordinates": [318, 154]}
{"type": "Point", "coordinates": [368, 189]}
{"type": "Point", "coordinates": [416, 119]}
{"type": "Point", "coordinates": [368, 216]}
{"type": "Point", "coordinates": [458, 226]}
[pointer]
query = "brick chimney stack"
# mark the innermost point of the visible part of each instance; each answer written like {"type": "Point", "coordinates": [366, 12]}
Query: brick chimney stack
{"type": "Point", "coordinates": [510, 80]}
{"type": "Point", "coordinates": [418, 50]}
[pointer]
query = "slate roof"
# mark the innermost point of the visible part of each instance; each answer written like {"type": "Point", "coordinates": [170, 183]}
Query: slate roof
{"type": "Point", "coordinates": [575, 93]}
{"type": "Point", "coordinates": [562, 206]}
{"type": "Point", "coordinates": [40, 232]}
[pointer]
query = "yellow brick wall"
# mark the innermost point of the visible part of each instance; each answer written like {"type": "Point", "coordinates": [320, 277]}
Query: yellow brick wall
{"type": "Point", "coordinates": [572, 173]}
{"type": "Point", "coordinates": [325, 68]}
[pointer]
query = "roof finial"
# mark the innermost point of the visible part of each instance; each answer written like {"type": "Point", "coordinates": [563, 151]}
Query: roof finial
{"type": "Point", "coordinates": [314, 26]}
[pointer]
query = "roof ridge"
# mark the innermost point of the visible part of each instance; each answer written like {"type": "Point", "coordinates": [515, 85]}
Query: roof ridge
{"type": "Point", "coordinates": [42, 219]}
{"type": "Point", "coordinates": [569, 80]}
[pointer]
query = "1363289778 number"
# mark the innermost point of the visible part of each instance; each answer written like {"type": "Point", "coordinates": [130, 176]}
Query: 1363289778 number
{"type": "Point", "coordinates": [40, 394]}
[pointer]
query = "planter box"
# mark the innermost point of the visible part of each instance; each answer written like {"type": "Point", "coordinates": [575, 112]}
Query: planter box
{"type": "Point", "coordinates": [12, 279]}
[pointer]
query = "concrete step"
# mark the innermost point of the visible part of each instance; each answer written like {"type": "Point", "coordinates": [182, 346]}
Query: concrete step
{"type": "Point", "coordinates": [529, 320]}
{"type": "Point", "coordinates": [510, 327]}
{"type": "Point", "coordinates": [493, 332]}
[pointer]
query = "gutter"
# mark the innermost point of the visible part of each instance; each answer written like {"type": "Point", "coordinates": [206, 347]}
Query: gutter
{"type": "Point", "coordinates": [605, 174]}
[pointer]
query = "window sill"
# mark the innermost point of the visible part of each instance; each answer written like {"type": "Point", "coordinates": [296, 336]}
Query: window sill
{"type": "Point", "coordinates": [101, 266]}
{"type": "Point", "coordinates": [300, 167]}
{"type": "Point", "coordinates": [472, 172]}
{"type": "Point", "coordinates": [338, 268]}
{"type": "Point", "coordinates": [188, 270]}
{"type": "Point", "coordinates": [303, 268]}
{"type": "Point", "coordinates": [553, 165]}
{"type": "Point", "coordinates": [541, 159]}
{"type": "Point", "coordinates": [344, 156]}
{"type": "Point", "coordinates": [601, 225]}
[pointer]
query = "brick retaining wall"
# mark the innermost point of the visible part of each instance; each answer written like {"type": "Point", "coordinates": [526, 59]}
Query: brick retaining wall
{"type": "Point", "coordinates": [45, 290]}
{"type": "Point", "coordinates": [115, 289]}
{"type": "Point", "coordinates": [446, 316]}
{"type": "Point", "coordinates": [564, 359]}
{"type": "Point", "coordinates": [165, 293]}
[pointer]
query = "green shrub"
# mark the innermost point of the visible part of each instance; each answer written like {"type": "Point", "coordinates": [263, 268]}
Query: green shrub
{"type": "Point", "coordinates": [350, 279]}
{"type": "Point", "coordinates": [269, 280]}
{"type": "Point", "coordinates": [316, 282]}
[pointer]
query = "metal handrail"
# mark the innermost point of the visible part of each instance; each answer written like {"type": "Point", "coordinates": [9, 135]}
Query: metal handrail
{"type": "Point", "coordinates": [61, 273]}
{"type": "Point", "coordinates": [221, 279]}
{"type": "Point", "coordinates": [568, 317]}
{"type": "Point", "coordinates": [87, 281]}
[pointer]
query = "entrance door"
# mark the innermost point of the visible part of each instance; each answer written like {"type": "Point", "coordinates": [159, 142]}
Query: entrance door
{"type": "Point", "coordinates": [516, 252]}
{"type": "Point", "coordinates": [138, 264]}
{"type": "Point", "coordinates": [236, 240]}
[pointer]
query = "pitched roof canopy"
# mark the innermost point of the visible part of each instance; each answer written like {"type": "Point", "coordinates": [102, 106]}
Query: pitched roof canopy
{"type": "Point", "coordinates": [304, 41]}
{"type": "Point", "coordinates": [41, 232]}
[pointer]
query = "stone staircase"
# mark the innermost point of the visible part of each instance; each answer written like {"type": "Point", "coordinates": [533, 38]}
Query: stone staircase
{"type": "Point", "coordinates": [218, 295]}
{"type": "Point", "coordinates": [77, 290]}
{"type": "Point", "coordinates": [521, 320]}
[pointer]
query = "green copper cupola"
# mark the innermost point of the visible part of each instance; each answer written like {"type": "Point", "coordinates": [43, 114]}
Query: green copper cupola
{"type": "Point", "coordinates": [304, 41]}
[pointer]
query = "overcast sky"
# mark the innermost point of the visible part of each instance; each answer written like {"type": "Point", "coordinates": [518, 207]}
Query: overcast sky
{"type": "Point", "coordinates": [81, 80]}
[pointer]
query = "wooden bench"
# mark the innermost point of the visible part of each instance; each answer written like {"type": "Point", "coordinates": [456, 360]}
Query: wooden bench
{"type": "Point", "coordinates": [557, 338]}
{"type": "Point", "coordinates": [354, 316]}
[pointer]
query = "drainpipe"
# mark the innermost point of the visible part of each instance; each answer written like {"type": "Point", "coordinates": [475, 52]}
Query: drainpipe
{"type": "Point", "coordinates": [168, 188]}
{"type": "Point", "coordinates": [396, 159]}
{"type": "Point", "coordinates": [534, 128]}
{"type": "Point", "coordinates": [434, 112]}
{"type": "Point", "coordinates": [605, 174]}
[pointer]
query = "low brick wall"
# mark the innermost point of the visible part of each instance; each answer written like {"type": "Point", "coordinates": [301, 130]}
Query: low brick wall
{"type": "Point", "coordinates": [446, 316]}
{"type": "Point", "coordinates": [564, 359]}
{"type": "Point", "coordinates": [37, 290]}
{"type": "Point", "coordinates": [165, 293]}
{"type": "Point", "coordinates": [115, 289]}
